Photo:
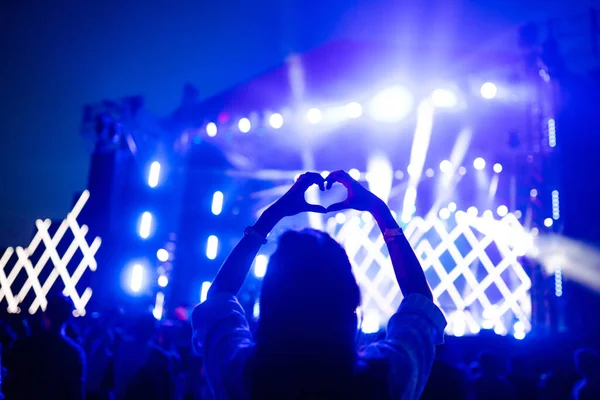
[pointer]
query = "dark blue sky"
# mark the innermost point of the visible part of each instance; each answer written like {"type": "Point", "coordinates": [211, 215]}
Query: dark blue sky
{"type": "Point", "coordinates": [56, 58]}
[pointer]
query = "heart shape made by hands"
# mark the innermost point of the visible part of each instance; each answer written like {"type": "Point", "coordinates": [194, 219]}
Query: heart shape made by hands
{"type": "Point", "coordinates": [336, 194]}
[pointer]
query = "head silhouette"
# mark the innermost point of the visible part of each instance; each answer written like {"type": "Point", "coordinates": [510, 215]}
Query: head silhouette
{"type": "Point", "coordinates": [58, 311]}
{"type": "Point", "coordinates": [307, 310]}
{"type": "Point", "coordinates": [587, 362]}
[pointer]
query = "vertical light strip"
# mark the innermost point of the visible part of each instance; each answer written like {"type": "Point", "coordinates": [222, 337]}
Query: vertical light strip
{"type": "Point", "coordinates": [212, 245]}
{"type": "Point", "coordinates": [145, 225]}
{"type": "Point", "coordinates": [555, 205]}
{"type": "Point", "coordinates": [217, 203]}
{"type": "Point", "coordinates": [204, 291]}
{"type": "Point", "coordinates": [154, 174]}
{"type": "Point", "coordinates": [158, 305]}
{"type": "Point", "coordinates": [137, 277]}
{"type": "Point", "coordinates": [551, 133]}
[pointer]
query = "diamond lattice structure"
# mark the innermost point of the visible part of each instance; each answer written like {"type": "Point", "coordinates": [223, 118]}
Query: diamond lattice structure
{"type": "Point", "coordinates": [28, 274]}
{"type": "Point", "coordinates": [472, 265]}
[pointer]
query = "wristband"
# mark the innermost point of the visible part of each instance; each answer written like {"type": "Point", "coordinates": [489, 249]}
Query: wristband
{"type": "Point", "coordinates": [392, 234]}
{"type": "Point", "coordinates": [251, 231]}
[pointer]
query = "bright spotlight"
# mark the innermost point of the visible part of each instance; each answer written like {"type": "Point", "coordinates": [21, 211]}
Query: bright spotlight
{"type": "Point", "coordinates": [163, 281]}
{"type": "Point", "coordinates": [212, 245]}
{"type": "Point", "coordinates": [276, 121]}
{"type": "Point", "coordinates": [479, 163]}
{"type": "Point", "coordinates": [370, 322]}
{"type": "Point", "coordinates": [548, 222]}
{"type": "Point", "coordinates": [354, 173]}
{"type": "Point", "coordinates": [217, 203]}
{"type": "Point", "coordinates": [444, 213]}
{"type": "Point", "coordinates": [519, 335]}
{"type": "Point", "coordinates": [313, 115]}
{"type": "Point", "coordinates": [497, 168]}
{"type": "Point", "coordinates": [353, 110]}
{"type": "Point", "coordinates": [411, 169]}
{"type": "Point", "coordinates": [391, 105]}
{"type": "Point", "coordinates": [489, 90]}
{"type": "Point", "coordinates": [462, 170]}
{"type": "Point", "coordinates": [452, 206]}
{"type": "Point", "coordinates": [502, 211]}
{"type": "Point", "coordinates": [340, 218]}
{"type": "Point", "coordinates": [162, 255]}
{"type": "Point", "coordinates": [256, 310]}
{"type": "Point", "coordinates": [244, 125]}
{"type": "Point", "coordinates": [211, 129]}
{"type": "Point", "coordinates": [443, 98]}
{"type": "Point", "coordinates": [260, 265]}
{"type": "Point", "coordinates": [488, 214]}
{"type": "Point", "coordinates": [472, 211]}
{"type": "Point", "coordinates": [145, 225]}
{"type": "Point", "coordinates": [154, 174]}
{"type": "Point", "coordinates": [137, 278]}
{"type": "Point", "coordinates": [533, 193]}
{"type": "Point", "coordinates": [158, 305]}
{"type": "Point", "coordinates": [204, 291]}
{"type": "Point", "coordinates": [446, 166]}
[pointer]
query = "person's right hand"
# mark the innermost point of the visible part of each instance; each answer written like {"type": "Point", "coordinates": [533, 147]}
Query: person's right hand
{"type": "Point", "coordinates": [359, 198]}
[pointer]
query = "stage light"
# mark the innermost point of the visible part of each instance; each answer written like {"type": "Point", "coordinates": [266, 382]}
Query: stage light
{"type": "Point", "coordinates": [534, 231]}
{"type": "Point", "coordinates": [370, 322]}
{"type": "Point", "coordinates": [497, 168]}
{"type": "Point", "coordinates": [137, 278]}
{"type": "Point", "coordinates": [472, 211]}
{"type": "Point", "coordinates": [158, 305]}
{"type": "Point", "coordinates": [211, 129]}
{"type": "Point", "coordinates": [145, 225]}
{"type": "Point", "coordinates": [548, 222]}
{"type": "Point", "coordinates": [340, 218]}
{"type": "Point", "coordinates": [446, 166]}
{"type": "Point", "coordinates": [519, 335]}
{"type": "Point", "coordinates": [499, 330]}
{"type": "Point", "coordinates": [502, 211]}
{"type": "Point", "coordinates": [443, 98]}
{"type": "Point", "coordinates": [411, 170]}
{"type": "Point", "coordinates": [354, 173]}
{"type": "Point", "coordinates": [244, 125]}
{"type": "Point", "coordinates": [154, 174]}
{"type": "Point", "coordinates": [353, 110]}
{"type": "Point", "coordinates": [462, 171]}
{"type": "Point", "coordinates": [489, 90]}
{"type": "Point", "coordinates": [212, 245]}
{"type": "Point", "coordinates": [276, 121]}
{"type": "Point", "coordinates": [391, 105]}
{"type": "Point", "coordinates": [204, 291]}
{"type": "Point", "coordinates": [551, 133]}
{"type": "Point", "coordinates": [313, 115]}
{"type": "Point", "coordinates": [429, 172]}
{"type": "Point", "coordinates": [163, 281]}
{"type": "Point", "coordinates": [519, 326]}
{"type": "Point", "coordinates": [217, 203]}
{"type": "Point", "coordinates": [256, 310]}
{"type": "Point", "coordinates": [260, 265]}
{"type": "Point", "coordinates": [296, 177]}
{"type": "Point", "coordinates": [479, 163]}
{"type": "Point", "coordinates": [162, 255]}
{"type": "Point", "coordinates": [558, 290]}
{"type": "Point", "coordinates": [555, 205]}
{"type": "Point", "coordinates": [444, 213]}
{"type": "Point", "coordinates": [398, 174]}
{"type": "Point", "coordinates": [452, 206]}
{"type": "Point", "coordinates": [488, 214]}
{"type": "Point", "coordinates": [518, 214]}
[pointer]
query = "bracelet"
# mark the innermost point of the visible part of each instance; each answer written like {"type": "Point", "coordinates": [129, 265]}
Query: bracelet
{"type": "Point", "coordinates": [251, 231]}
{"type": "Point", "coordinates": [391, 234]}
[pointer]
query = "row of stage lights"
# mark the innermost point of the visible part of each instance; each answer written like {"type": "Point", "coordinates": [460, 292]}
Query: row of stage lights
{"type": "Point", "coordinates": [390, 105]}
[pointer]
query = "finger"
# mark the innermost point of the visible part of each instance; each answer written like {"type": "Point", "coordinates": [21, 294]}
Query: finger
{"type": "Point", "coordinates": [311, 178]}
{"type": "Point", "coordinates": [343, 205]}
{"type": "Point", "coordinates": [316, 208]}
{"type": "Point", "coordinates": [338, 176]}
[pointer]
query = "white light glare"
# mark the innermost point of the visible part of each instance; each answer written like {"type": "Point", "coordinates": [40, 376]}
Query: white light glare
{"type": "Point", "coordinates": [551, 133]}
{"type": "Point", "coordinates": [502, 211]}
{"type": "Point", "coordinates": [211, 129]}
{"type": "Point", "coordinates": [145, 225]}
{"type": "Point", "coordinates": [444, 213]}
{"type": "Point", "coordinates": [212, 244]}
{"type": "Point", "coordinates": [446, 166]}
{"type": "Point", "coordinates": [548, 222]}
{"type": "Point", "coordinates": [163, 281]}
{"type": "Point", "coordinates": [260, 265]}
{"type": "Point", "coordinates": [137, 278]}
{"type": "Point", "coordinates": [533, 193]}
{"type": "Point", "coordinates": [256, 310]}
{"type": "Point", "coordinates": [452, 206]}
{"type": "Point", "coordinates": [519, 326]}
{"type": "Point", "coordinates": [353, 110]}
{"type": "Point", "coordinates": [558, 286]}
{"type": "Point", "coordinates": [555, 205]}
{"type": "Point", "coordinates": [217, 203]}
{"type": "Point", "coordinates": [154, 174]}
{"type": "Point", "coordinates": [340, 218]}
{"type": "Point", "coordinates": [313, 115]}
{"type": "Point", "coordinates": [472, 211]}
{"type": "Point", "coordinates": [204, 291]}
{"type": "Point", "coordinates": [276, 121]}
{"type": "Point", "coordinates": [443, 98]}
{"type": "Point", "coordinates": [244, 125]}
{"type": "Point", "coordinates": [497, 168]}
{"type": "Point", "coordinates": [354, 173]}
{"type": "Point", "coordinates": [519, 335]}
{"type": "Point", "coordinates": [158, 305]}
{"type": "Point", "coordinates": [391, 105]}
{"type": "Point", "coordinates": [370, 322]}
{"type": "Point", "coordinates": [479, 163]}
{"type": "Point", "coordinates": [162, 255]}
{"type": "Point", "coordinates": [489, 90]}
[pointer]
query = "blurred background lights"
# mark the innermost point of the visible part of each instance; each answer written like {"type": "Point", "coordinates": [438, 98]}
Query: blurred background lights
{"type": "Point", "coordinates": [370, 322]}
{"type": "Point", "coordinates": [340, 218]}
{"type": "Point", "coordinates": [444, 213]}
{"type": "Point", "coordinates": [479, 163]}
{"type": "Point", "coordinates": [154, 174]}
{"type": "Point", "coordinates": [145, 225]}
{"type": "Point", "coordinates": [446, 166]}
{"type": "Point", "coordinates": [497, 168]}
{"type": "Point", "coordinates": [353, 110]}
{"type": "Point", "coordinates": [533, 193]}
{"type": "Point", "coordinates": [276, 121]}
{"type": "Point", "coordinates": [489, 90]}
{"type": "Point", "coordinates": [519, 335]}
{"type": "Point", "coordinates": [444, 98]}
{"type": "Point", "coordinates": [217, 203]}
{"type": "Point", "coordinates": [452, 206]}
{"type": "Point", "coordinates": [260, 265]}
{"type": "Point", "coordinates": [354, 173]}
{"type": "Point", "coordinates": [462, 170]}
{"type": "Point", "coordinates": [137, 278]}
{"type": "Point", "coordinates": [256, 310]}
{"type": "Point", "coordinates": [548, 222]}
{"type": "Point", "coordinates": [212, 245]}
{"type": "Point", "coordinates": [244, 125]}
{"type": "Point", "coordinates": [429, 172]}
{"type": "Point", "coordinates": [325, 174]}
{"type": "Point", "coordinates": [502, 211]}
{"type": "Point", "coordinates": [211, 129]}
{"type": "Point", "coordinates": [313, 115]}
{"type": "Point", "coordinates": [472, 211]}
{"type": "Point", "coordinates": [391, 105]}
{"type": "Point", "coordinates": [163, 281]}
{"type": "Point", "coordinates": [551, 133]}
{"type": "Point", "coordinates": [204, 291]}
{"type": "Point", "coordinates": [488, 214]}
{"type": "Point", "coordinates": [162, 255]}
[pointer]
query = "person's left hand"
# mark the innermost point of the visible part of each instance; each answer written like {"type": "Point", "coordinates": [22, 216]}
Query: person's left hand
{"type": "Point", "coordinates": [293, 202]}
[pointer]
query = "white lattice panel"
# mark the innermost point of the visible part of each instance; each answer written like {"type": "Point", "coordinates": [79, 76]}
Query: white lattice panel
{"type": "Point", "coordinates": [13, 291]}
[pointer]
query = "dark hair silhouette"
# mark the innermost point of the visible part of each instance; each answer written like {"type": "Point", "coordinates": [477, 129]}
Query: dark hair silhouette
{"type": "Point", "coordinates": [305, 342]}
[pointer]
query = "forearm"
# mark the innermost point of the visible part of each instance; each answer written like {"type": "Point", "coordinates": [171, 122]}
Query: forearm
{"type": "Point", "coordinates": [234, 270]}
{"type": "Point", "coordinates": [407, 267]}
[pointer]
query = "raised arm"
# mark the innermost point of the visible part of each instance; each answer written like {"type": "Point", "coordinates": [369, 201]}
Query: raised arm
{"type": "Point", "coordinates": [407, 268]}
{"type": "Point", "coordinates": [234, 270]}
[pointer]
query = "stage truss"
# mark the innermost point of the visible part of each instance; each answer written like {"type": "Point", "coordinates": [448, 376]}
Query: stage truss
{"type": "Point", "coordinates": [470, 262]}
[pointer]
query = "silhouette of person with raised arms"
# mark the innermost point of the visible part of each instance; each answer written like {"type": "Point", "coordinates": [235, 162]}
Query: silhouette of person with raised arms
{"type": "Point", "coordinates": [305, 344]}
